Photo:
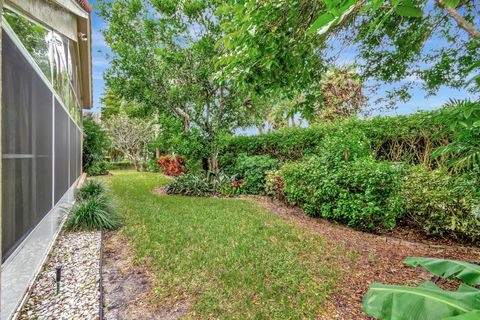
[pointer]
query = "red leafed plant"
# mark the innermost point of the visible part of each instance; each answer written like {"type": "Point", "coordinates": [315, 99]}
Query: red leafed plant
{"type": "Point", "coordinates": [172, 165]}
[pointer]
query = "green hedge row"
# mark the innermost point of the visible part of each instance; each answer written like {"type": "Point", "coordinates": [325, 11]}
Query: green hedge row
{"type": "Point", "coordinates": [408, 138]}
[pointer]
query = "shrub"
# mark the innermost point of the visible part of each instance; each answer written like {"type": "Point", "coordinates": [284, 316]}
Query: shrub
{"type": "Point", "coordinates": [362, 193]}
{"type": "Point", "coordinates": [98, 168]}
{"type": "Point", "coordinates": [274, 184]}
{"type": "Point", "coordinates": [92, 213]}
{"type": "Point", "coordinates": [190, 185]}
{"type": "Point", "coordinates": [407, 138]}
{"type": "Point", "coordinates": [90, 189]}
{"type": "Point", "coordinates": [441, 204]}
{"type": "Point", "coordinates": [172, 165]}
{"type": "Point", "coordinates": [95, 142]}
{"type": "Point", "coordinates": [344, 144]}
{"type": "Point", "coordinates": [252, 170]}
{"type": "Point", "coordinates": [121, 165]}
{"type": "Point", "coordinates": [153, 166]}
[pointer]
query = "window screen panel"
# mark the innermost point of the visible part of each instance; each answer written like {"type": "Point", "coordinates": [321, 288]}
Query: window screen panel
{"type": "Point", "coordinates": [27, 147]}
{"type": "Point", "coordinates": [43, 134]}
{"type": "Point", "coordinates": [73, 152]}
{"type": "Point", "coordinates": [61, 151]}
{"type": "Point", "coordinates": [79, 153]}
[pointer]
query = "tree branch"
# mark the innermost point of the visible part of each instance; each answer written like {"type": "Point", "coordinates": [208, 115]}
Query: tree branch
{"type": "Point", "coordinates": [462, 23]}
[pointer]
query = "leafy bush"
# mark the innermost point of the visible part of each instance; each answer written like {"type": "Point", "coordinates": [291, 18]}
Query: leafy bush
{"type": "Point", "coordinates": [98, 168]}
{"type": "Point", "coordinates": [428, 301]}
{"type": "Point", "coordinates": [95, 142]}
{"type": "Point", "coordinates": [274, 184]}
{"type": "Point", "coordinates": [407, 138]}
{"type": "Point", "coordinates": [92, 213]}
{"type": "Point", "coordinates": [93, 209]}
{"type": "Point", "coordinates": [441, 204]}
{"type": "Point", "coordinates": [121, 165]}
{"type": "Point", "coordinates": [190, 185]}
{"type": "Point", "coordinates": [463, 119]}
{"type": "Point", "coordinates": [362, 193]}
{"type": "Point", "coordinates": [91, 188]}
{"type": "Point", "coordinates": [172, 165]}
{"type": "Point", "coordinates": [252, 170]}
{"type": "Point", "coordinates": [152, 165]}
{"type": "Point", "coordinates": [344, 144]}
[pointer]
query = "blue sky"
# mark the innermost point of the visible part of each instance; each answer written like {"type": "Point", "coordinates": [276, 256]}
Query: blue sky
{"type": "Point", "coordinates": [419, 100]}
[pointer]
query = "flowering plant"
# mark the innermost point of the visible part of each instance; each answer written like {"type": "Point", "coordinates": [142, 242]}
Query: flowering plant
{"type": "Point", "coordinates": [172, 165]}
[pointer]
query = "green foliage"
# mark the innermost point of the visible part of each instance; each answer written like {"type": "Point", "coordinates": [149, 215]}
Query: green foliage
{"type": "Point", "coordinates": [286, 144]}
{"type": "Point", "coordinates": [176, 40]}
{"type": "Point", "coordinates": [265, 45]}
{"type": "Point", "coordinates": [441, 204]}
{"type": "Point", "coordinates": [362, 193]}
{"type": "Point", "coordinates": [190, 185]}
{"type": "Point", "coordinates": [98, 168]}
{"type": "Point", "coordinates": [152, 165]}
{"type": "Point", "coordinates": [93, 213]}
{"type": "Point", "coordinates": [93, 209]}
{"type": "Point", "coordinates": [427, 301]}
{"type": "Point", "coordinates": [274, 184]}
{"type": "Point", "coordinates": [95, 143]}
{"type": "Point", "coordinates": [91, 188]}
{"type": "Point", "coordinates": [396, 41]}
{"type": "Point", "coordinates": [120, 165]}
{"type": "Point", "coordinates": [463, 120]}
{"type": "Point", "coordinates": [343, 144]}
{"type": "Point", "coordinates": [409, 139]}
{"type": "Point", "coordinates": [219, 253]}
{"type": "Point", "coordinates": [252, 170]}
{"type": "Point", "coordinates": [467, 272]}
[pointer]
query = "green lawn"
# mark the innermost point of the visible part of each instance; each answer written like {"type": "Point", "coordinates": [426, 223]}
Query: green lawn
{"type": "Point", "coordinates": [226, 258]}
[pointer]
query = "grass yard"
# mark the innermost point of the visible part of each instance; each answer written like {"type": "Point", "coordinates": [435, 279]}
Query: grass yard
{"type": "Point", "coordinates": [224, 258]}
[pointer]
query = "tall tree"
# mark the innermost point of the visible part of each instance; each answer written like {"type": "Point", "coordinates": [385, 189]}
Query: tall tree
{"type": "Point", "coordinates": [163, 56]}
{"type": "Point", "coordinates": [434, 42]}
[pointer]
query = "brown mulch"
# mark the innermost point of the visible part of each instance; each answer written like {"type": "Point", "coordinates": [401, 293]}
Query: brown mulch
{"type": "Point", "coordinates": [370, 258]}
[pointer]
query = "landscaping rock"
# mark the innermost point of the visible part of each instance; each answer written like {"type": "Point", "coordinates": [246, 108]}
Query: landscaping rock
{"type": "Point", "coordinates": [78, 253]}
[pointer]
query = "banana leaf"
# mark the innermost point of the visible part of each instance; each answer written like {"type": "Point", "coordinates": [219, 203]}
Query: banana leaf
{"type": "Point", "coordinates": [467, 272]}
{"type": "Point", "coordinates": [472, 315]}
{"type": "Point", "coordinates": [426, 302]}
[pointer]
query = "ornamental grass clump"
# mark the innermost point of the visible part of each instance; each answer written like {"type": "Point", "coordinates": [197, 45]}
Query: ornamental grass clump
{"type": "Point", "coordinates": [90, 189]}
{"type": "Point", "coordinates": [93, 209]}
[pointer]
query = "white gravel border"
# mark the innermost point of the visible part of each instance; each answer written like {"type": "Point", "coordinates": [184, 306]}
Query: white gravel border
{"type": "Point", "coordinates": [79, 255]}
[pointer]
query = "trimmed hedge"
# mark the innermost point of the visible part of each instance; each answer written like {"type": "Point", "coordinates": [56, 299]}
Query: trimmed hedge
{"type": "Point", "coordinates": [251, 170]}
{"type": "Point", "coordinates": [362, 193]}
{"type": "Point", "coordinates": [443, 205]}
{"type": "Point", "coordinates": [121, 165]}
{"type": "Point", "coordinates": [406, 138]}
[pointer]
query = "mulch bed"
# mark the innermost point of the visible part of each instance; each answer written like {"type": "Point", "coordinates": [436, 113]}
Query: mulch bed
{"type": "Point", "coordinates": [370, 258]}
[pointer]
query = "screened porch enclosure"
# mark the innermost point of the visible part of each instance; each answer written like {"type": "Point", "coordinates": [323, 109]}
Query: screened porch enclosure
{"type": "Point", "coordinates": [41, 137]}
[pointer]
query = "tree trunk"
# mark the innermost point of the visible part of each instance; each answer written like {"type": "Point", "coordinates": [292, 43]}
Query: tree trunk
{"type": "Point", "coordinates": [462, 23]}
{"type": "Point", "coordinates": [135, 164]}
{"type": "Point", "coordinates": [213, 163]}
{"type": "Point", "coordinates": [157, 152]}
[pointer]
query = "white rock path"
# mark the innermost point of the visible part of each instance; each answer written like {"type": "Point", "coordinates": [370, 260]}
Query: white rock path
{"type": "Point", "coordinates": [78, 253]}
